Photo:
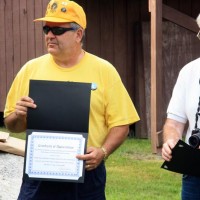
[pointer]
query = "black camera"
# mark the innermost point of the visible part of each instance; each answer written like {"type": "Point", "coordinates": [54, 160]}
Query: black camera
{"type": "Point", "coordinates": [194, 139]}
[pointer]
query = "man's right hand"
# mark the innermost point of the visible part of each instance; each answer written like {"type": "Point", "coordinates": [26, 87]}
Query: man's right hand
{"type": "Point", "coordinates": [167, 149]}
{"type": "Point", "coordinates": [172, 132]}
{"type": "Point", "coordinates": [16, 121]}
{"type": "Point", "coordinates": [22, 106]}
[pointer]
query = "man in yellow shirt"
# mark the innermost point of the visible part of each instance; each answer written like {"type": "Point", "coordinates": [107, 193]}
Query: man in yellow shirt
{"type": "Point", "coordinates": [111, 109]}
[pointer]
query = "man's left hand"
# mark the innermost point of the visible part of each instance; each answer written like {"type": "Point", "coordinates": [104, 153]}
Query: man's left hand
{"type": "Point", "coordinates": [92, 158]}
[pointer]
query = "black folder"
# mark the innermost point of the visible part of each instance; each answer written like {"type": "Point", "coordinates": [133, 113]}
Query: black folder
{"type": "Point", "coordinates": [185, 160]}
{"type": "Point", "coordinates": [61, 106]}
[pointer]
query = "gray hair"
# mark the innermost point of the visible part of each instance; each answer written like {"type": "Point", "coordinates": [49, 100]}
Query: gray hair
{"type": "Point", "coordinates": [76, 26]}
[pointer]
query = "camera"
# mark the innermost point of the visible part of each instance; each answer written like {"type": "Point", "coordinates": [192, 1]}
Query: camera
{"type": "Point", "coordinates": [194, 139]}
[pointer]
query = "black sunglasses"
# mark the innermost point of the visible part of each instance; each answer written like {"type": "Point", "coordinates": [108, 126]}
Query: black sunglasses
{"type": "Point", "coordinates": [56, 30]}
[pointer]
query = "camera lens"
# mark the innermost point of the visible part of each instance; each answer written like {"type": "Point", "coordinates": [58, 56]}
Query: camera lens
{"type": "Point", "coordinates": [194, 141]}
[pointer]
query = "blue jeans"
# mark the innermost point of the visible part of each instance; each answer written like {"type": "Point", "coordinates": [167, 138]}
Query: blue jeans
{"type": "Point", "coordinates": [92, 189]}
{"type": "Point", "coordinates": [190, 187]}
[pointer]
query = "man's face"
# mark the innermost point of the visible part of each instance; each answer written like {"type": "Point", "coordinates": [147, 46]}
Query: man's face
{"type": "Point", "coordinates": [60, 44]}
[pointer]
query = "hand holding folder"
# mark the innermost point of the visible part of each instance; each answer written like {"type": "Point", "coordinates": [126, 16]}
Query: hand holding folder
{"type": "Point", "coordinates": [185, 160]}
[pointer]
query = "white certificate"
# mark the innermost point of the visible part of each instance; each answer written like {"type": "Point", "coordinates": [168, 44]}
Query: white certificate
{"type": "Point", "coordinates": [52, 155]}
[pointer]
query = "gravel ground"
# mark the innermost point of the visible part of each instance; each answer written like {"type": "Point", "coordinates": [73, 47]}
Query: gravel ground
{"type": "Point", "coordinates": [11, 170]}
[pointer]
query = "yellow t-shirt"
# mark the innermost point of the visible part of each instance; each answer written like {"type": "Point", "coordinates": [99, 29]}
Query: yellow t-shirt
{"type": "Point", "coordinates": [110, 103]}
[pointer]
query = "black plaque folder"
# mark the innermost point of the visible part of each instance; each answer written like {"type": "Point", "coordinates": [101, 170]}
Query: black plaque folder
{"type": "Point", "coordinates": [185, 160]}
{"type": "Point", "coordinates": [61, 106]}
{"type": "Point", "coordinates": [57, 130]}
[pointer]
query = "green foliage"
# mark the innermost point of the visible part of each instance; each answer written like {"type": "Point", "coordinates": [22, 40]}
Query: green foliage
{"type": "Point", "coordinates": [134, 173]}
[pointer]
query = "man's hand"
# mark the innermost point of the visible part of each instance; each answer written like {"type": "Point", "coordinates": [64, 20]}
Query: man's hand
{"type": "Point", "coordinates": [92, 158]}
{"type": "Point", "coordinates": [172, 132]}
{"type": "Point", "coordinates": [167, 149]}
{"type": "Point", "coordinates": [22, 106]}
{"type": "Point", "coordinates": [114, 139]}
{"type": "Point", "coordinates": [16, 121]}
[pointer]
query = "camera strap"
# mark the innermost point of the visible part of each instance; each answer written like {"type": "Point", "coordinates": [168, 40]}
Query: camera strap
{"type": "Point", "coordinates": [196, 129]}
{"type": "Point", "coordinates": [197, 115]}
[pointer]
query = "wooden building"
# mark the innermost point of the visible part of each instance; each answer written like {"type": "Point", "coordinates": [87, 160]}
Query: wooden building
{"type": "Point", "coordinates": [117, 30]}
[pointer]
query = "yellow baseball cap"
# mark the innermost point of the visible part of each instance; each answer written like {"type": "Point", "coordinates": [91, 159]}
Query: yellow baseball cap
{"type": "Point", "coordinates": [62, 11]}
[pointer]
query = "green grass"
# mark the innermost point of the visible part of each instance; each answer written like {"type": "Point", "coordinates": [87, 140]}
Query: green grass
{"type": "Point", "coordinates": [134, 173]}
{"type": "Point", "coordinates": [17, 135]}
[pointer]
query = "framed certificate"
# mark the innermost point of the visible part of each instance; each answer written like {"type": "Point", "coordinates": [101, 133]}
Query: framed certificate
{"type": "Point", "coordinates": [57, 130]}
{"type": "Point", "coordinates": [51, 156]}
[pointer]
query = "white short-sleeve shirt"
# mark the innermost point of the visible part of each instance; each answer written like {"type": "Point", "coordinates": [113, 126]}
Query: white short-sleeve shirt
{"type": "Point", "coordinates": [185, 97]}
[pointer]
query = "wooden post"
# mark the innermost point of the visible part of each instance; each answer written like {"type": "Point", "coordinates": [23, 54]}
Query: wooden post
{"type": "Point", "coordinates": [155, 7]}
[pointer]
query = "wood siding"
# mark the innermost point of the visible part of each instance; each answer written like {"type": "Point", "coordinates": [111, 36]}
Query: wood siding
{"type": "Point", "coordinates": [21, 39]}
{"type": "Point", "coordinates": [117, 30]}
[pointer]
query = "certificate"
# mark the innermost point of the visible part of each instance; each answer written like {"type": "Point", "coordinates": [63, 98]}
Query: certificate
{"type": "Point", "coordinates": [52, 156]}
{"type": "Point", "coordinates": [57, 130]}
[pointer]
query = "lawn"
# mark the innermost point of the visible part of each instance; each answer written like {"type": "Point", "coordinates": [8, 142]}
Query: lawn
{"type": "Point", "coordinates": [134, 173]}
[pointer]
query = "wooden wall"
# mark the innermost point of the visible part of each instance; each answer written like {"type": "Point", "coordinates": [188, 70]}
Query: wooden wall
{"type": "Point", "coordinates": [20, 40]}
{"type": "Point", "coordinates": [114, 32]}
{"type": "Point", "coordinates": [188, 7]}
{"type": "Point", "coordinates": [180, 46]}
